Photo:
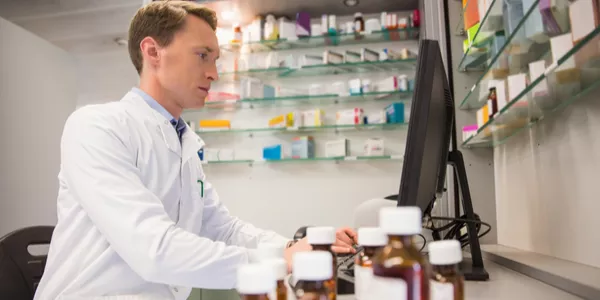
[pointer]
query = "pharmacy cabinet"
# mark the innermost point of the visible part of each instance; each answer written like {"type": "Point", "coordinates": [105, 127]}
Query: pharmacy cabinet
{"type": "Point", "coordinates": [539, 58]}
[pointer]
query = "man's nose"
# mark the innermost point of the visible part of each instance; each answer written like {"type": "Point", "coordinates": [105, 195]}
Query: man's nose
{"type": "Point", "coordinates": [212, 73]}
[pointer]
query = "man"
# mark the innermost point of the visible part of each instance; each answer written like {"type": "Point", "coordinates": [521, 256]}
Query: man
{"type": "Point", "coordinates": [136, 217]}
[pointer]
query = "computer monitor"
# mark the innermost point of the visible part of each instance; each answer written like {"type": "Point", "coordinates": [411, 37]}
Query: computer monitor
{"type": "Point", "coordinates": [429, 131]}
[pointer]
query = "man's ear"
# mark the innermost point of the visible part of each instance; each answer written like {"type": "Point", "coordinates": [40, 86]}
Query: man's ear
{"type": "Point", "coordinates": [149, 48]}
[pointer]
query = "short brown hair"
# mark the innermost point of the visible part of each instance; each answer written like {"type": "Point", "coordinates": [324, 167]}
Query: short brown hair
{"type": "Point", "coordinates": [161, 20]}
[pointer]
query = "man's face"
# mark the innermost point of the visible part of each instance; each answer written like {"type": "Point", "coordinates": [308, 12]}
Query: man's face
{"type": "Point", "coordinates": [187, 66]}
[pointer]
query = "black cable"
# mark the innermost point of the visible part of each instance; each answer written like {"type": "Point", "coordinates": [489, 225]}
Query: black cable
{"type": "Point", "coordinates": [424, 242]}
{"type": "Point", "coordinates": [455, 226]}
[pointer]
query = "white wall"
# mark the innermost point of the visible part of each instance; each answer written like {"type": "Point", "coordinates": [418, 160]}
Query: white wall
{"type": "Point", "coordinates": [547, 185]}
{"type": "Point", "coordinates": [37, 93]}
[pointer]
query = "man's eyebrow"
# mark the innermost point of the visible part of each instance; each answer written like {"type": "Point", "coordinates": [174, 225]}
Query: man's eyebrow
{"type": "Point", "coordinates": [208, 49]}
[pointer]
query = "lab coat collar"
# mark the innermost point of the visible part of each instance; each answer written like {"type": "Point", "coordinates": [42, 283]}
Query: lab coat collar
{"type": "Point", "coordinates": [190, 143]}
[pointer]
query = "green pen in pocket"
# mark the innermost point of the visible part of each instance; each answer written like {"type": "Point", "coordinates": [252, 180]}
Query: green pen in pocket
{"type": "Point", "coordinates": [201, 187]}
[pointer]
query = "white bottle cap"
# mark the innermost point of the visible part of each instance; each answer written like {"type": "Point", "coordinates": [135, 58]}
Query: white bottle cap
{"type": "Point", "coordinates": [445, 252]}
{"type": "Point", "coordinates": [279, 267]}
{"type": "Point", "coordinates": [255, 279]}
{"type": "Point", "coordinates": [357, 15]}
{"type": "Point", "coordinates": [372, 237]}
{"type": "Point", "coordinates": [269, 251]}
{"type": "Point", "coordinates": [313, 265]}
{"type": "Point", "coordinates": [400, 220]}
{"type": "Point", "coordinates": [320, 235]}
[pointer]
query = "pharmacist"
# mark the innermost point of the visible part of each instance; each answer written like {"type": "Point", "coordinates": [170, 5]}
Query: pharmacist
{"type": "Point", "coordinates": [136, 217]}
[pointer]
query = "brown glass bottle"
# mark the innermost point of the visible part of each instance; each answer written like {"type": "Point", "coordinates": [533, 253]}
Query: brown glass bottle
{"type": "Point", "coordinates": [255, 281]}
{"type": "Point", "coordinates": [313, 272]}
{"type": "Point", "coordinates": [313, 290]}
{"type": "Point", "coordinates": [321, 239]}
{"type": "Point", "coordinates": [399, 266]}
{"type": "Point", "coordinates": [281, 292]}
{"type": "Point", "coordinates": [331, 284]}
{"type": "Point", "coordinates": [447, 282]}
{"type": "Point", "coordinates": [372, 239]}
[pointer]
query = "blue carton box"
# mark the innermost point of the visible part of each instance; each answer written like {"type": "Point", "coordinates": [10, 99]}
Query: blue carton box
{"type": "Point", "coordinates": [394, 113]}
{"type": "Point", "coordinates": [273, 152]}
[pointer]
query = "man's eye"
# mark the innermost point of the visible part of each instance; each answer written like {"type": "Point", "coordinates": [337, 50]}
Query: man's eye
{"type": "Point", "coordinates": [203, 55]}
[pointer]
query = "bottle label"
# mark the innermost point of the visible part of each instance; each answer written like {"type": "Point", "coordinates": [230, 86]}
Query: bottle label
{"type": "Point", "coordinates": [384, 288]}
{"type": "Point", "coordinates": [362, 282]}
{"type": "Point", "coordinates": [441, 291]}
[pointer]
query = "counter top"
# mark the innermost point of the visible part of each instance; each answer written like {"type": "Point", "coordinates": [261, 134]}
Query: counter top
{"type": "Point", "coordinates": [505, 284]}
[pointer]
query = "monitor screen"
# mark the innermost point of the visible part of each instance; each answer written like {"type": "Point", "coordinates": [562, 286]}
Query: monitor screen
{"type": "Point", "coordinates": [429, 131]}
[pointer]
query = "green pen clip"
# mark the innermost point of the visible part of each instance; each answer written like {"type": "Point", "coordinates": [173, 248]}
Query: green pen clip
{"type": "Point", "coordinates": [201, 187]}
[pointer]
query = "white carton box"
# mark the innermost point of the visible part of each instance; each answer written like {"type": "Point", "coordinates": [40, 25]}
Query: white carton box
{"type": "Point", "coordinates": [337, 148]}
{"type": "Point", "coordinates": [516, 84]}
{"type": "Point", "coordinates": [560, 46]}
{"type": "Point", "coordinates": [374, 147]}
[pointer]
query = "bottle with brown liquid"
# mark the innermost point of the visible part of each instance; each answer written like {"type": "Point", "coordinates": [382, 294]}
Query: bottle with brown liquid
{"type": "Point", "coordinates": [372, 239]}
{"type": "Point", "coordinates": [321, 239]}
{"type": "Point", "coordinates": [399, 269]}
{"type": "Point", "coordinates": [272, 254]}
{"type": "Point", "coordinates": [313, 271]}
{"type": "Point", "coordinates": [279, 267]}
{"type": "Point", "coordinates": [447, 282]}
{"type": "Point", "coordinates": [255, 282]}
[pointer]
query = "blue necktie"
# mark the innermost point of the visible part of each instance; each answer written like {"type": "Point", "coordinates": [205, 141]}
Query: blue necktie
{"type": "Point", "coordinates": [179, 127]}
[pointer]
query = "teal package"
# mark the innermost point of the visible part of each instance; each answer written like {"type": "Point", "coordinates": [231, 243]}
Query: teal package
{"type": "Point", "coordinates": [273, 152]}
{"type": "Point", "coordinates": [394, 113]}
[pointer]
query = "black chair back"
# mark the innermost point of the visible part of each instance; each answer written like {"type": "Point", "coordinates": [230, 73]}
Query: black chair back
{"type": "Point", "coordinates": [20, 271]}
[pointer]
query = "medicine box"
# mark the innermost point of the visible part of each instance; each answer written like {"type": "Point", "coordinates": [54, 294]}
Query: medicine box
{"type": "Point", "coordinates": [355, 86]}
{"type": "Point", "coordinates": [560, 46]}
{"type": "Point", "coordinates": [215, 124]}
{"type": "Point", "coordinates": [516, 84]}
{"type": "Point", "coordinates": [303, 147]}
{"type": "Point", "coordinates": [537, 69]}
{"type": "Point", "coordinates": [374, 147]}
{"type": "Point", "coordinates": [483, 116]}
{"type": "Point", "coordinates": [501, 95]}
{"type": "Point", "coordinates": [278, 122]}
{"type": "Point", "coordinates": [584, 18]}
{"type": "Point", "coordinates": [534, 25]}
{"type": "Point", "coordinates": [303, 26]}
{"type": "Point", "coordinates": [337, 148]}
{"type": "Point", "coordinates": [395, 113]}
{"type": "Point", "coordinates": [273, 152]}
{"type": "Point", "coordinates": [555, 16]}
{"type": "Point", "coordinates": [313, 117]}
{"type": "Point", "coordinates": [351, 116]}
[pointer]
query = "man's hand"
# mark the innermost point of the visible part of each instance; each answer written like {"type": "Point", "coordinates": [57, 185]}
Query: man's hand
{"type": "Point", "coordinates": [345, 239]}
{"type": "Point", "coordinates": [300, 246]}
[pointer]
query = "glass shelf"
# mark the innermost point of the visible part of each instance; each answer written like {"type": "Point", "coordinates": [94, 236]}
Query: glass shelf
{"type": "Point", "coordinates": [307, 128]}
{"type": "Point", "coordinates": [307, 160]}
{"type": "Point", "coordinates": [325, 41]}
{"type": "Point", "coordinates": [527, 43]}
{"type": "Point", "coordinates": [479, 51]}
{"type": "Point", "coordinates": [326, 99]}
{"type": "Point", "coordinates": [325, 69]}
{"type": "Point", "coordinates": [572, 76]}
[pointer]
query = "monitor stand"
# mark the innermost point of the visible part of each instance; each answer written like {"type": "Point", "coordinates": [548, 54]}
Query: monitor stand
{"type": "Point", "coordinates": [473, 268]}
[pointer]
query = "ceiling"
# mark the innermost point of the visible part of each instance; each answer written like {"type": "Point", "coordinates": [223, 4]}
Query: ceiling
{"type": "Point", "coordinates": [87, 26]}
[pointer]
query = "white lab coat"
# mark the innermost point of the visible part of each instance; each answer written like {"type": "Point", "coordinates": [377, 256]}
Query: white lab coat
{"type": "Point", "coordinates": [132, 221]}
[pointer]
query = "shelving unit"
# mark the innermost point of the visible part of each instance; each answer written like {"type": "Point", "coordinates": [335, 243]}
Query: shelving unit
{"type": "Point", "coordinates": [408, 64]}
{"type": "Point", "coordinates": [250, 109]}
{"type": "Point", "coordinates": [530, 107]}
{"type": "Point", "coordinates": [326, 99]}
{"type": "Point", "coordinates": [397, 158]}
{"type": "Point", "coordinates": [306, 128]}
{"type": "Point", "coordinates": [325, 41]}
{"type": "Point", "coordinates": [566, 78]}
